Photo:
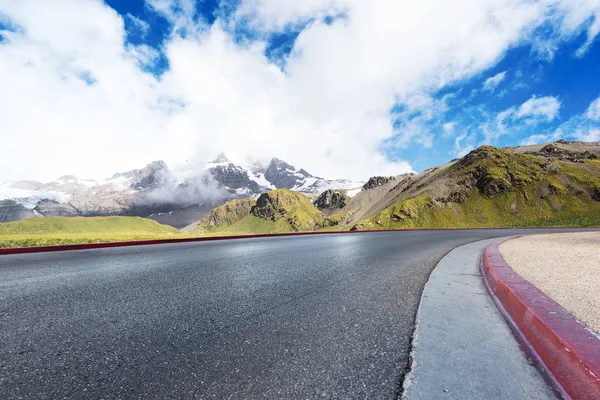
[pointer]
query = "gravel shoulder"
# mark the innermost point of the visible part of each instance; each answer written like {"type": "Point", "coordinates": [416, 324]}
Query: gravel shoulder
{"type": "Point", "coordinates": [565, 266]}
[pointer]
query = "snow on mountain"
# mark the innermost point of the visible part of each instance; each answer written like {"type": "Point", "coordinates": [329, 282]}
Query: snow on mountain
{"type": "Point", "coordinates": [29, 198]}
{"type": "Point", "coordinates": [154, 191]}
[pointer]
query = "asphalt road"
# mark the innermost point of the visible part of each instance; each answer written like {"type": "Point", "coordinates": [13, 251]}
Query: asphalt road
{"type": "Point", "coordinates": [291, 317]}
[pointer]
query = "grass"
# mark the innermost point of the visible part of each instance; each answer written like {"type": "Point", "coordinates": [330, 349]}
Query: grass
{"type": "Point", "coordinates": [225, 215]}
{"type": "Point", "coordinates": [71, 230]}
{"type": "Point", "coordinates": [519, 208]}
{"type": "Point", "coordinates": [251, 224]}
{"type": "Point", "coordinates": [276, 211]}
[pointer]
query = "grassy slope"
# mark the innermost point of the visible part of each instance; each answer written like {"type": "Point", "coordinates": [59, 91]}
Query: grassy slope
{"type": "Point", "coordinates": [225, 215]}
{"type": "Point", "coordinates": [251, 224]}
{"type": "Point", "coordinates": [535, 193]}
{"type": "Point", "coordinates": [293, 207]}
{"type": "Point", "coordinates": [66, 230]}
{"type": "Point", "coordinates": [281, 211]}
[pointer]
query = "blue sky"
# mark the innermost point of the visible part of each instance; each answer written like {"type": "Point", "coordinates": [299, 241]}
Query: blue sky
{"type": "Point", "coordinates": [341, 88]}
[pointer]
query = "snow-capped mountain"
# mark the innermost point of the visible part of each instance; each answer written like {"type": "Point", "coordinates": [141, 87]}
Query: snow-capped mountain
{"type": "Point", "coordinates": [277, 174]}
{"type": "Point", "coordinates": [156, 192]}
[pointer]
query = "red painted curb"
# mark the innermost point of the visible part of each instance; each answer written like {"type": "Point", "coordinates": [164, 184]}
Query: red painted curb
{"type": "Point", "coordinates": [569, 352]}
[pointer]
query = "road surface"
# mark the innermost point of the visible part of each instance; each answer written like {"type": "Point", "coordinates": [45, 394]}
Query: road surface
{"type": "Point", "coordinates": [328, 316]}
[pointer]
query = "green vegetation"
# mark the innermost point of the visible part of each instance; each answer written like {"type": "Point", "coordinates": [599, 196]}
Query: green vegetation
{"type": "Point", "coordinates": [334, 220]}
{"type": "Point", "coordinates": [69, 230]}
{"type": "Point", "coordinates": [509, 209]}
{"type": "Point", "coordinates": [225, 215]}
{"type": "Point", "coordinates": [503, 189]}
{"type": "Point", "coordinates": [276, 211]}
{"type": "Point", "coordinates": [495, 170]}
{"type": "Point", "coordinates": [251, 224]}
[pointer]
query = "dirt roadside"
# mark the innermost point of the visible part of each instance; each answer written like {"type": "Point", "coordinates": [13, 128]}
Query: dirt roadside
{"type": "Point", "coordinates": [565, 266]}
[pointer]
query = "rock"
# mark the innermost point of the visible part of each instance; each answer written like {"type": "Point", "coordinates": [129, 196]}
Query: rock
{"type": "Point", "coordinates": [331, 200]}
{"type": "Point", "coordinates": [550, 167]}
{"type": "Point", "coordinates": [459, 196]}
{"type": "Point", "coordinates": [10, 211]}
{"type": "Point", "coordinates": [491, 186]}
{"type": "Point", "coordinates": [268, 207]}
{"type": "Point", "coordinates": [551, 150]}
{"type": "Point", "coordinates": [52, 208]}
{"type": "Point", "coordinates": [376, 181]}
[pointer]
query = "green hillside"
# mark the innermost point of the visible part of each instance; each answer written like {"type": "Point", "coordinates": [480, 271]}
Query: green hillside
{"type": "Point", "coordinates": [500, 188]}
{"type": "Point", "coordinates": [225, 215]}
{"type": "Point", "coordinates": [67, 230]}
{"type": "Point", "coordinates": [276, 211]}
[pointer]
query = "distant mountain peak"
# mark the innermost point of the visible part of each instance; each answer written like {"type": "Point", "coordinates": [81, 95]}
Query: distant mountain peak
{"type": "Point", "coordinates": [221, 159]}
{"type": "Point", "coordinates": [280, 164]}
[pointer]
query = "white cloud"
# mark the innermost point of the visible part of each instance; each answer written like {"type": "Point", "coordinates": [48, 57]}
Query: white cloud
{"type": "Point", "coordinates": [591, 135]}
{"type": "Point", "coordinates": [329, 112]}
{"type": "Point", "coordinates": [463, 144]}
{"type": "Point", "coordinates": [448, 128]}
{"type": "Point", "coordinates": [142, 26]}
{"type": "Point", "coordinates": [181, 13]}
{"type": "Point", "coordinates": [539, 108]}
{"type": "Point", "coordinates": [531, 112]}
{"type": "Point", "coordinates": [542, 138]}
{"type": "Point", "coordinates": [593, 111]}
{"type": "Point", "coordinates": [583, 127]}
{"type": "Point", "coordinates": [492, 83]}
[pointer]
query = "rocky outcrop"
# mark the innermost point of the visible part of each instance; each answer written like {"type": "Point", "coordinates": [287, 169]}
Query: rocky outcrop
{"type": "Point", "coordinates": [10, 211]}
{"type": "Point", "coordinates": [553, 151]}
{"type": "Point", "coordinates": [268, 207]}
{"type": "Point", "coordinates": [331, 200]}
{"type": "Point", "coordinates": [376, 181]}
{"type": "Point", "coordinates": [52, 208]}
{"type": "Point", "coordinates": [295, 207]}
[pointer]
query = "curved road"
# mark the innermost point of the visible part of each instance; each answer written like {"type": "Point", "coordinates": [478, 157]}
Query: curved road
{"type": "Point", "coordinates": [326, 316]}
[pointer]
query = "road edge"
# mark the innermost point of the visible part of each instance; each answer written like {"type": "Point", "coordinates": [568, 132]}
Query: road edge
{"type": "Point", "coordinates": [99, 245]}
{"type": "Point", "coordinates": [567, 351]}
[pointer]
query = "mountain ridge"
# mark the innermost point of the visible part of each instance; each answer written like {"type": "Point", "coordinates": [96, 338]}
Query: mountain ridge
{"type": "Point", "coordinates": [154, 191]}
{"type": "Point", "coordinates": [544, 185]}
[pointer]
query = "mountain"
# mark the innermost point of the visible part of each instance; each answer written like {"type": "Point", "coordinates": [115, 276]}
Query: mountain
{"type": "Point", "coordinates": [557, 184]}
{"type": "Point", "coordinates": [491, 187]}
{"type": "Point", "coordinates": [277, 174]}
{"type": "Point", "coordinates": [156, 192]}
